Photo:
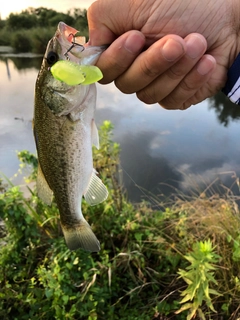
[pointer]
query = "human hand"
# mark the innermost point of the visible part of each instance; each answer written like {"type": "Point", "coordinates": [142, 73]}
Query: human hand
{"type": "Point", "coordinates": [175, 84]}
{"type": "Point", "coordinates": [172, 71]}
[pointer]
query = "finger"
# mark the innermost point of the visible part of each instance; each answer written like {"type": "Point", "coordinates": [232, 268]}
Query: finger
{"type": "Point", "coordinates": [191, 86]}
{"type": "Point", "coordinates": [162, 86]}
{"type": "Point", "coordinates": [217, 79]}
{"type": "Point", "coordinates": [151, 63]}
{"type": "Point", "coordinates": [120, 55]}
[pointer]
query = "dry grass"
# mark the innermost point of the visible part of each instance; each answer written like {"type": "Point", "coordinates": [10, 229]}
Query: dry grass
{"type": "Point", "coordinates": [216, 218]}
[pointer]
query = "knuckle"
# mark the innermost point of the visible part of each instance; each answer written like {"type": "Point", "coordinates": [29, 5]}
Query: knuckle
{"type": "Point", "coordinates": [107, 77]}
{"type": "Point", "coordinates": [170, 103]}
{"type": "Point", "coordinates": [105, 80]}
{"type": "Point", "coordinates": [188, 86]}
{"type": "Point", "coordinates": [185, 105]}
{"type": "Point", "coordinates": [148, 69]}
{"type": "Point", "coordinates": [147, 97]}
{"type": "Point", "coordinates": [118, 66]}
{"type": "Point", "coordinates": [123, 86]}
{"type": "Point", "coordinates": [176, 73]}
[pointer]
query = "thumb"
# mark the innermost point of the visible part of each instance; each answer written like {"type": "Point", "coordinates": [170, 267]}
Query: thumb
{"type": "Point", "coordinates": [108, 19]}
{"type": "Point", "coordinates": [101, 30]}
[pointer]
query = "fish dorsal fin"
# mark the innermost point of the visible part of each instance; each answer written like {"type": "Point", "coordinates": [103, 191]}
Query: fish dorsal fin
{"type": "Point", "coordinates": [43, 190]}
{"type": "Point", "coordinates": [96, 192]}
{"type": "Point", "coordinates": [95, 138]}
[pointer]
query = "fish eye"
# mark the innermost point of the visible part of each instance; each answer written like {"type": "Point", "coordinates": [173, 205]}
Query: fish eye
{"type": "Point", "coordinates": [52, 57]}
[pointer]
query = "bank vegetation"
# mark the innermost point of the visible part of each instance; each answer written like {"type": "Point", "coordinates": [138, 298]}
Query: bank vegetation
{"type": "Point", "coordinates": [30, 30]}
{"type": "Point", "coordinates": [180, 262]}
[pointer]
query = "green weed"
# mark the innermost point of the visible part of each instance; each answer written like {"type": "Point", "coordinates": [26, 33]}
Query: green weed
{"type": "Point", "coordinates": [143, 252]}
{"type": "Point", "coordinates": [198, 277]}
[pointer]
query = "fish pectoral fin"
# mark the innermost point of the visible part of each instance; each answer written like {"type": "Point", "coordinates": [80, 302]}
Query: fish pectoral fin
{"type": "Point", "coordinates": [43, 190]}
{"type": "Point", "coordinates": [95, 137]}
{"type": "Point", "coordinates": [96, 192]}
{"type": "Point", "coordinates": [80, 235]}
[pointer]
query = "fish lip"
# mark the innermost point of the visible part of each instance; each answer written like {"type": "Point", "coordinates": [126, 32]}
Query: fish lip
{"type": "Point", "coordinates": [66, 31]}
{"type": "Point", "coordinates": [71, 45]}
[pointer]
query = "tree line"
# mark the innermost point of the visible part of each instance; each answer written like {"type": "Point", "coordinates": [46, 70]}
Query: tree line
{"type": "Point", "coordinates": [43, 17]}
{"type": "Point", "coordinates": [30, 30]}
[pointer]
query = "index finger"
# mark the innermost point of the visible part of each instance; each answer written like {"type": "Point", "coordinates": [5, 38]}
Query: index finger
{"type": "Point", "coordinates": [117, 58]}
{"type": "Point", "coordinates": [151, 63]}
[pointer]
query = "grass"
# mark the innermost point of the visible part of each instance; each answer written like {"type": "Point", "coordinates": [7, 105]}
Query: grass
{"type": "Point", "coordinates": [147, 259]}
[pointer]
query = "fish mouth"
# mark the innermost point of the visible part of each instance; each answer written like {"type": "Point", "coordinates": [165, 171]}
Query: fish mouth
{"type": "Point", "coordinates": [74, 47]}
{"type": "Point", "coordinates": [69, 33]}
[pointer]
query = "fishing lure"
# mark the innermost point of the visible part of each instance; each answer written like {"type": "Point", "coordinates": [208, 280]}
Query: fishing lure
{"type": "Point", "coordinates": [73, 74]}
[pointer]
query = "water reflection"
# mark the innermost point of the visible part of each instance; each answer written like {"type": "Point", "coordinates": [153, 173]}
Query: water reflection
{"type": "Point", "coordinates": [226, 110]}
{"type": "Point", "coordinates": [21, 63]}
{"type": "Point", "coordinates": [161, 151]}
{"type": "Point", "coordinates": [8, 70]}
{"type": "Point", "coordinates": [16, 92]}
{"type": "Point", "coordinates": [164, 151]}
{"type": "Point", "coordinates": [144, 174]}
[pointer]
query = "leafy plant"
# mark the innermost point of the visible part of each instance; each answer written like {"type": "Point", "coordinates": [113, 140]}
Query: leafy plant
{"type": "Point", "coordinates": [41, 278]}
{"type": "Point", "coordinates": [135, 274]}
{"type": "Point", "coordinates": [198, 276]}
{"type": "Point", "coordinates": [236, 247]}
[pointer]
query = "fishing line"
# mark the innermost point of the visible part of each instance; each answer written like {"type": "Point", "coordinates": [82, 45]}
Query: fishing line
{"type": "Point", "coordinates": [151, 199]}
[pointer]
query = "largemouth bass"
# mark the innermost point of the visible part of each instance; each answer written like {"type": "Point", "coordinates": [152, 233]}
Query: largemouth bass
{"type": "Point", "coordinates": [65, 131]}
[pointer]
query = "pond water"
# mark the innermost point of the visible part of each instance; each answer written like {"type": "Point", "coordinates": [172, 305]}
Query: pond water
{"type": "Point", "coordinates": [162, 152]}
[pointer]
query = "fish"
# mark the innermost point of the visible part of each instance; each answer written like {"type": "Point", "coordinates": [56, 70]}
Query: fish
{"type": "Point", "coordinates": [64, 131]}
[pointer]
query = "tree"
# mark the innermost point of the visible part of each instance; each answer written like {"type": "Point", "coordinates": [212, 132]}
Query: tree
{"type": "Point", "coordinates": [80, 18]}
{"type": "Point", "coordinates": [24, 20]}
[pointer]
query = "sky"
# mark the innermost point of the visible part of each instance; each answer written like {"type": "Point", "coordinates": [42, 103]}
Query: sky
{"type": "Point", "coordinates": [13, 6]}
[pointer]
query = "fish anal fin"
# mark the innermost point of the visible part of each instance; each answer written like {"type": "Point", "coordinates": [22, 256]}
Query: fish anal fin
{"type": "Point", "coordinates": [43, 190]}
{"type": "Point", "coordinates": [96, 191]}
{"type": "Point", "coordinates": [95, 137]}
{"type": "Point", "coordinates": [80, 236]}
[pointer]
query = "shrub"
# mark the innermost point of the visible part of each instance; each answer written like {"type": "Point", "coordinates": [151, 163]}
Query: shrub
{"type": "Point", "coordinates": [21, 42]}
{"type": "Point", "coordinates": [40, 38]}
{"type": "Point", "coordinates": [143, 253]}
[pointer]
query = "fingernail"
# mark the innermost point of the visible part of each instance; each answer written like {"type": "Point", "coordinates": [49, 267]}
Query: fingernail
{"type": "Point", "coordinates": [205, 65]}
{"type": "Point", "coordinates": [195, 46]}
{"type": "Point", "coordinates": [134, 43]}
{"type": "Point", "coordinates": [172, 50]}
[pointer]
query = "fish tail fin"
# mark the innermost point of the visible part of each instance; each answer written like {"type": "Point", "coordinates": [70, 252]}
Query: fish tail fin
{"type": "Point", "coordinates": [80, 236]}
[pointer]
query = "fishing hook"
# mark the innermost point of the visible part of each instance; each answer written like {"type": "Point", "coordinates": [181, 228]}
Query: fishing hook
{"type": "Point", "coordinates": [72, 46]}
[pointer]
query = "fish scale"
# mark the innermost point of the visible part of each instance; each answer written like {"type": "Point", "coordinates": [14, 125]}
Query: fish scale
{"type": "Point", "coordinates": [64, 131]}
